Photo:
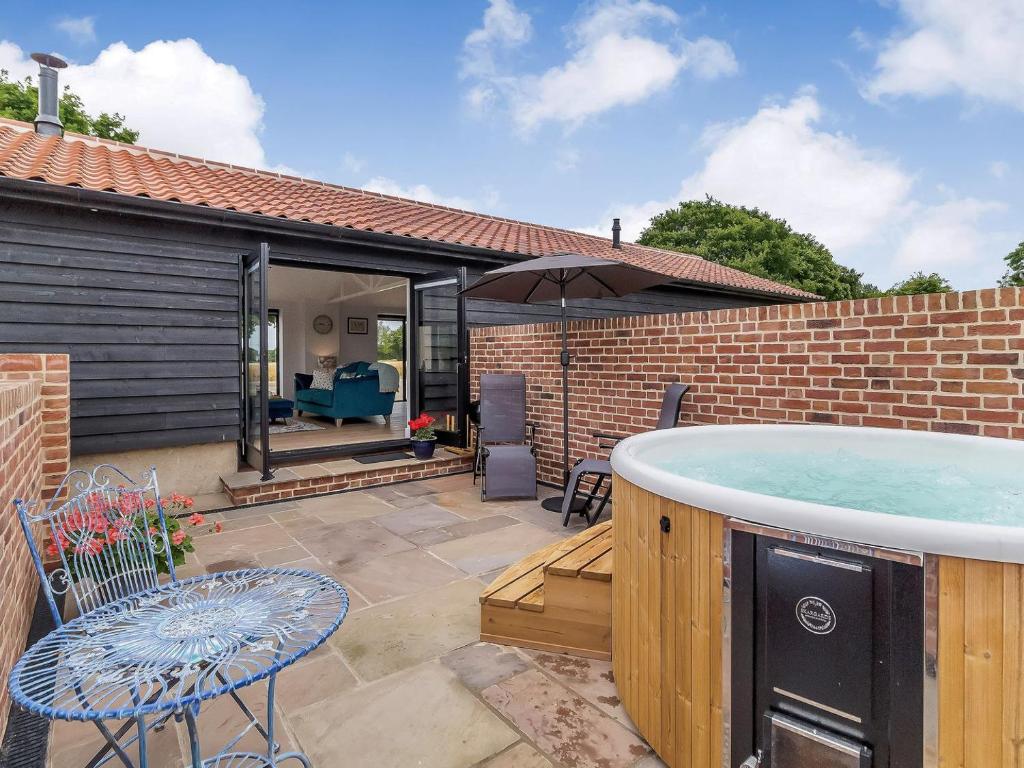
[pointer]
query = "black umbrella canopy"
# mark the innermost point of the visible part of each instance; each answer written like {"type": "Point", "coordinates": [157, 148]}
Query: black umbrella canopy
{"type": "Point", "coordinates": [582, 277]}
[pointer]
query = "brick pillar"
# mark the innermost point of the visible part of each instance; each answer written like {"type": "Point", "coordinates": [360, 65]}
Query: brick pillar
{"type": "Point", "coordinates": [34, 455]}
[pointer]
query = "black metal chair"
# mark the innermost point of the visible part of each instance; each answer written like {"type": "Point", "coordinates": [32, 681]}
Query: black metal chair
{"type": "Point", "coordinates": [505, 457]}
{"type": "Point", "coordinates": [599, 471]}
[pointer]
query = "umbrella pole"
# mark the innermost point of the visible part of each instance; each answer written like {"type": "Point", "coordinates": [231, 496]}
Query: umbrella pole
{"type": "Point", "coordinates": [554, 504]}
{"type": "Point", "coordinates": [565, 394]}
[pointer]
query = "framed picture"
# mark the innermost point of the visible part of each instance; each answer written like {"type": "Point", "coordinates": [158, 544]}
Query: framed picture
{"type": "Point", "coordinates": [359, 326]}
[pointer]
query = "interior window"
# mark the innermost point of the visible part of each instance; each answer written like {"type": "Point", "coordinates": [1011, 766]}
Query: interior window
{"type": "Point", "coordinates": [274, 352]}
{"type": "Point", "coordinates": [391, 346]}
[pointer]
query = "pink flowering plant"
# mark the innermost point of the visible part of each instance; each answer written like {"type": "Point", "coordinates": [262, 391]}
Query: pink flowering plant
{"type": "Point", "coordinates": [96, 527]}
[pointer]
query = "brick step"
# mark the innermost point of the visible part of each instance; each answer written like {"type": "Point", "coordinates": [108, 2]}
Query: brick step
{"type": "Point", "coordinates": [556, 599]}
{"type": "Point", "coordinates": [301, 480]}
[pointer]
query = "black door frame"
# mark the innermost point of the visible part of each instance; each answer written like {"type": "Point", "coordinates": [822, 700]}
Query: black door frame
{"type": "Point", "coordinates": [258, 261]}
{"type": "Point", "coordinates": [457, 277]}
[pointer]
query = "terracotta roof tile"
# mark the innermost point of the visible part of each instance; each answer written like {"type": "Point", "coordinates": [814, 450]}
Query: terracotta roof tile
{"type": "Point", "coordinates": [109, 166]}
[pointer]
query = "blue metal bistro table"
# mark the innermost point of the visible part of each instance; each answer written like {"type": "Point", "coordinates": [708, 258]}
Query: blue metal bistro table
{"type": "Point", "coordinates": [161, 653]}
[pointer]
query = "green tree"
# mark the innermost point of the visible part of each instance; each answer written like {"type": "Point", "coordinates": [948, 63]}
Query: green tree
{"type": "Point", "coordinates": [389, 340]}
{"type": "Point", "coordinates": [19, 101]}
{"type": "Point", "coordinates": [919, 282]}
{"type": "Point", "coordinates": [754, 241]}
{"type": "Point", "coordinates": [1014, 268]}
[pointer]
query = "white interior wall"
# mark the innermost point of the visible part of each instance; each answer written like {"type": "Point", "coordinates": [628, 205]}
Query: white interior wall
{"type": "Point", "coordinates": [364, 347]}
{"type": "Point", "coordinates": [302, 294]}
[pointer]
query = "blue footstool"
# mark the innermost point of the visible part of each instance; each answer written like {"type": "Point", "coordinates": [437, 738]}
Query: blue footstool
{"type": "Point", "coordinates": [280, 408]}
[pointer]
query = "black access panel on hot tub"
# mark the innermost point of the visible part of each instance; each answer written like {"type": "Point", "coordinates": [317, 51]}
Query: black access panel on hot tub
{"type": "Point", "coordinates": [826, 656]}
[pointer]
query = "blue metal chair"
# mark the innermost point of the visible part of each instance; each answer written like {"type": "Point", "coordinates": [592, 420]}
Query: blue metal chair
{"type": "Point", "coordinates": [110, 537]}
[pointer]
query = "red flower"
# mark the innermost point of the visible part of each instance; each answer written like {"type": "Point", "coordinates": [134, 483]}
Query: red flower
{"type": "Point", "coordinates": [217, 527]}
{"type": "Point", "coordinates": [196, 519]}
{"type": "Point", "coordinates": [52, 550]}
{"type": "Point", "coordinates": [153, 531]}
{"type": "Point", "coordinates": [178, 537]}
{"type": "Point", "coordinates": [89, 547]}
{"type": "Point", "coordinates": [424, 420]}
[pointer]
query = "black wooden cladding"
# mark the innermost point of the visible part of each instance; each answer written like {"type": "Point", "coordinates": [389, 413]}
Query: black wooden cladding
{"type": "Point", "coordinates": [150, 324]}
{"type": "Point", "coordinates": [147, 308]}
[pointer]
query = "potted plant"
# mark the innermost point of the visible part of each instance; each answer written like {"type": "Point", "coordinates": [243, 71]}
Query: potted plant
{"type": "Point", "coordinates": [424, 440]}
{"type": "Point", "coordinates": [105, 520]}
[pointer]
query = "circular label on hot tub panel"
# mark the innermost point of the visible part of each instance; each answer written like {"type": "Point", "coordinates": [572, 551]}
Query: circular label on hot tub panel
{"type": "Point", "coordinates": [815, 615]}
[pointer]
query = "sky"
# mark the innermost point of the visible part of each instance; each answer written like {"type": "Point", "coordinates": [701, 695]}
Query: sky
{"type": "Point", "coordinates": [891, 130]}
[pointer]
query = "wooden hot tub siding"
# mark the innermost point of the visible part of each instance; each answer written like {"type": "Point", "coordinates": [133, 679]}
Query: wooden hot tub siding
{"type": "Point", "coordinates": [667, 624]}
{"type": "Point", "coordinates": [667, 642]}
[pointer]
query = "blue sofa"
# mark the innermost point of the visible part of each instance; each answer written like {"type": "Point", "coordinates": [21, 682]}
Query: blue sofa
{"type": "Point", "coordinates": [355, 396]}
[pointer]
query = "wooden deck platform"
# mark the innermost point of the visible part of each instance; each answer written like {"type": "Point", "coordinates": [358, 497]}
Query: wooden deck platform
{"type": "Point", "coordinates": [557, 599]}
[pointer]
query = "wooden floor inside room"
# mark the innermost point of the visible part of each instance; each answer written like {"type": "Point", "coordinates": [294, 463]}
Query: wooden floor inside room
{"type": "Point", "coordinates": [368, 430]}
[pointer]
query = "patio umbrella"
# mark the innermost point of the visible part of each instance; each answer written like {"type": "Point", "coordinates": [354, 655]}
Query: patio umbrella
{"type": "Point", "coordinates": [558, 278]}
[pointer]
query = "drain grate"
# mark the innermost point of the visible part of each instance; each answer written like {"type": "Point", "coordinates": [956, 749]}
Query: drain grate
{"type": "Point", "coordinates": [24, 744]}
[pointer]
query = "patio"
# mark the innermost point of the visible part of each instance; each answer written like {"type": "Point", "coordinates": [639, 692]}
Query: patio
{"type": "Point", "coordinates": [405, 681]}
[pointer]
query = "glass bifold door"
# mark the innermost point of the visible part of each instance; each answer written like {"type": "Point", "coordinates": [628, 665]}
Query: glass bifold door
{"type": "Point", "coordinates": [437, 381]}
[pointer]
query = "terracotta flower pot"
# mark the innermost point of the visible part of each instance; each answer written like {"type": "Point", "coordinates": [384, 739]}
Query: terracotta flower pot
{"type": "Point", "coordinates": [424, 449]}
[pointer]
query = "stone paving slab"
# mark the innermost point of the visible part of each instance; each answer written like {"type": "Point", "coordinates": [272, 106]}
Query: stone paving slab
{"type": "Point", "coordinates": [522, 755]}
{"type": "Point", "coordinates": [482, 665]}
{"type": "Point", "coordinates": [342, 544]}
{"type": "Point", "coordinates": [405, 681]}
{"type": "Point", "coordinates": [493, 549]}
{"type": "Point", "coordinates": [417, 518]}
{"type": "Point", "coordinates": [398, 575]}
{"type": "Point", "coordinates": [384, 639]}
{"type": "Point", "coordinates": [563, 724]}
{"type": "Point", "coordinates": [422, 717]}
{"type": "Point", "coordinates": [590, 678]}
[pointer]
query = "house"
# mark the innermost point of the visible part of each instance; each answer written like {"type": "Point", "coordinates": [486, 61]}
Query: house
{"type": "Point", "coordinates": [189, 293]}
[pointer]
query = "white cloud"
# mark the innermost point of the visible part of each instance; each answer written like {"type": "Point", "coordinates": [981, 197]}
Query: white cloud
{"type": "Point", "coordinates": [859, 203]}
{"type": "Point", "coordinates": [353, 163]}
{"type": "Point", "coordinates": [488, 200]}
{"type": "Point", "coordinates": [999, 168]}
{"type": "Point", "coordinates": [16, 62]}
{"type": "Point", "coordinates": [779, 160]}
{"type": "Point", "coordinates": [171, 91]}
{"type": "Point", "coordinates": [81, 30]}
{"type": "Point", "coordinates": [862, 39]}
{"type": "Point", "coordinates": [947, 236]}
{"type": "Point", "coordinates": [567, 159]}
{"type": "Point", "coordinates": [614, 60]}
{"type": "Point", "coordinates": [504, 27]}
{"type": "Point", "coordinates": [975, 48]}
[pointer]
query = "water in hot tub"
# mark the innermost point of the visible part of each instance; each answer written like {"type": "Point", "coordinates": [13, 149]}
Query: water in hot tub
{"type": "Point", "coordinates": [844, 478]}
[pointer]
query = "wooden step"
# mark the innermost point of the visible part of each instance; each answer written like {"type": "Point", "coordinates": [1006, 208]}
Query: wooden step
{"type": "Point", "coordinates": [572, 562]}
{"type": "Point", "coordinates": [556, 599]}
{"type": "Point", "coordinates": [519, 579]}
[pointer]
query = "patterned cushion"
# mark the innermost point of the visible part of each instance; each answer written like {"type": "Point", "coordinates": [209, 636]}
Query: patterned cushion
{"type": "Point", "coordinates": [323, 378]}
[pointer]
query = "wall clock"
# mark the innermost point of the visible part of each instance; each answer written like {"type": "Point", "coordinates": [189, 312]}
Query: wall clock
{"type": "Point", "coordinates": [322, 324]}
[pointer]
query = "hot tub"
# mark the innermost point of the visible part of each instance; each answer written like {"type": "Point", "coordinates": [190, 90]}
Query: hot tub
{"type": "Point", "coordinates": [897, 548]}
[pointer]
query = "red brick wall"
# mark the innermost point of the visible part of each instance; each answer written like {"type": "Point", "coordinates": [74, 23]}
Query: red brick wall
{"type": "Point", "coordinates": [34, 450]}
{"type": "Point", "coordinates": [951, 363]}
